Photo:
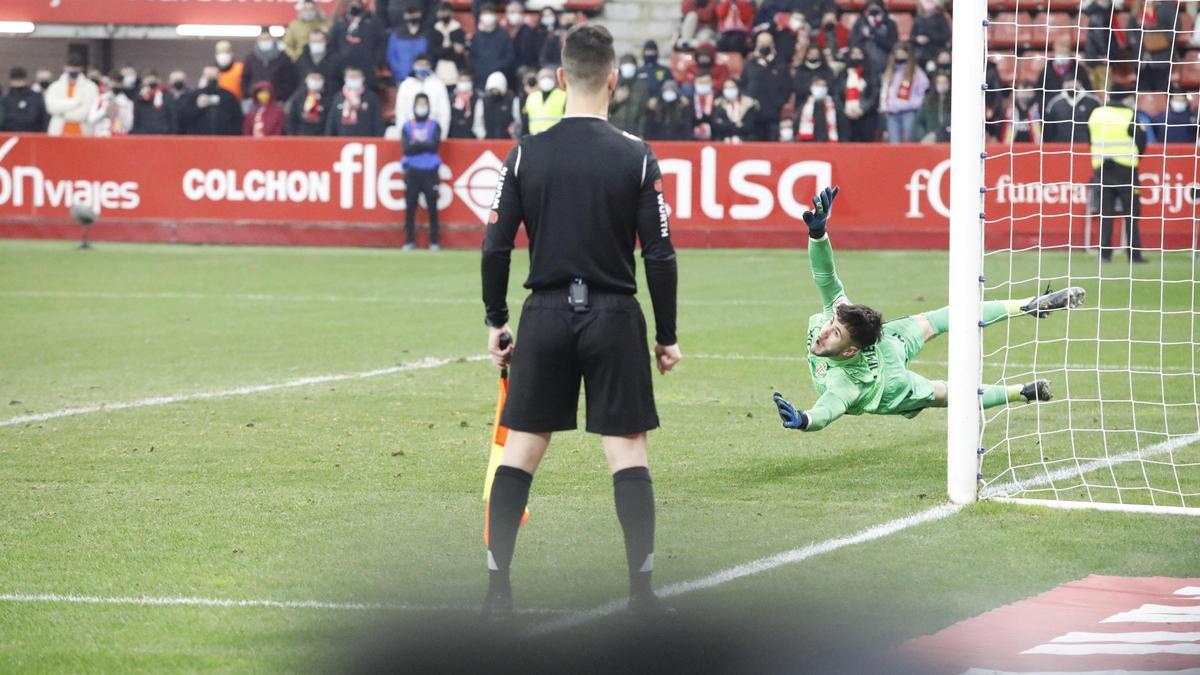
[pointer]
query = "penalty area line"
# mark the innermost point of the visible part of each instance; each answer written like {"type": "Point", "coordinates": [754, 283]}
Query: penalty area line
{"type": "Point", "coordinates": [754, 567]}
{"type": "Point", "coordinates": [145, 601]}
{"type": "Point", "coordinates": [423, 364]}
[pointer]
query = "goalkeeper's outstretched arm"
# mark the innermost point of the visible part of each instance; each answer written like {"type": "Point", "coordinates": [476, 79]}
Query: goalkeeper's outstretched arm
{"type": "Point", "coordinates": [828, 408]}
{"type": "Point", "coordinates": [820, 251]}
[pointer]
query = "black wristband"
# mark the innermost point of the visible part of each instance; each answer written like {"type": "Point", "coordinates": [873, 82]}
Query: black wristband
{"type": "Point", "coordinates": [816, 234]}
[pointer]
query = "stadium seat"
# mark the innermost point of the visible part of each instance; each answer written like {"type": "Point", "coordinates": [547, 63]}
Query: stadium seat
{"type": "Point", "coordinates": [733, 61]}
{"type": "Point", "coordinates": [1030, 67]}
{"type": "Point", "coordinates": [1187, 74]}
{"type": "Point", "coordinates": [586, 6]}
{"type": "Point", "coordinates": [1032, 31]}
{"type": "Point", "coordinates": [679, 64]}
{"type": "Point", "coordinates": [1152, 103]}
{"type": "Point", "coordinates": [1184, 36]}
{"type": "Point", "coordinates": [467, 19]}
{"type": "Point", "coordinates": [1006, 68]}
{"type": "Point", "coordinates": [1062, 24]}
{"type": "Point", "coordinates": [1002, 31]}
{"type": "Point", "coordinates": [904, 23]}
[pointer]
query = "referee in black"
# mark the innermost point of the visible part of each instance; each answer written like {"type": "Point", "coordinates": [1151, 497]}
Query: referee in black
{"type": "Point", "coordinates": [588, 193]}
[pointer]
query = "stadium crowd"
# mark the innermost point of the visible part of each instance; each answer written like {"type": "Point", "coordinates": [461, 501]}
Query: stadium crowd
{"type": "Point", "coordinates": [778, 70]}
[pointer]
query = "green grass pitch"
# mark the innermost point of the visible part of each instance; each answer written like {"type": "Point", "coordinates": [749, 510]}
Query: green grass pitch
{"type": "Point", "coordinates": [367, 489]}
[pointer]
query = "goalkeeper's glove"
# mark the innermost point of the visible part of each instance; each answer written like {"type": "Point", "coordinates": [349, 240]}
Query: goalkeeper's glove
{"type": "Point", "coordinates": [792, 418]}
{"type": "Point", "coordinates": [819, 216]}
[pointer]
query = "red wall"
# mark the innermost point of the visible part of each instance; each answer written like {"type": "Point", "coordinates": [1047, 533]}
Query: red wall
{"type": "Point", "coordinates": [350, 192]}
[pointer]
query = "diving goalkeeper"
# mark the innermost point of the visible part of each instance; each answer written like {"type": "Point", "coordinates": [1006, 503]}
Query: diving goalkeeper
{"type": "Point", "coordinates": [860, 364]}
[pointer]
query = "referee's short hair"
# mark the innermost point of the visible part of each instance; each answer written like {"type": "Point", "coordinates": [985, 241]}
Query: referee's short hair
{"type": "Point", "coordinates": [588, 56]}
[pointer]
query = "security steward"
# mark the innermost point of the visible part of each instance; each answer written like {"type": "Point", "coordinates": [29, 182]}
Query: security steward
{"type": "Point", "coordinates": [1116, 143]}
{"type": "Point", "coordinates": [587, 193]}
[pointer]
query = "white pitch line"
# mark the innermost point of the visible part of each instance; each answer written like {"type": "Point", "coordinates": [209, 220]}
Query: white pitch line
{"type": "Point", "coordinates": [755, 567]}
{"type": "Point", "coordinates": [144, 601]}
{"type": "Point", "coordinates": [423, 364]}
{"type": "Point", "coordinates": [1160, 448]}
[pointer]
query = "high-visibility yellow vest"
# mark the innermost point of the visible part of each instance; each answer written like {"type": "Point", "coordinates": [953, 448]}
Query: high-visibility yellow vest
{"type": "Point", "coordinates": [544, 110]}
{"type": "Point", "coordinates": [1109, 129]}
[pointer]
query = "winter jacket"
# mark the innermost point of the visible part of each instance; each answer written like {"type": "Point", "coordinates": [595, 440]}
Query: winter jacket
{"type": "Point", "coordinates": [69, 103]}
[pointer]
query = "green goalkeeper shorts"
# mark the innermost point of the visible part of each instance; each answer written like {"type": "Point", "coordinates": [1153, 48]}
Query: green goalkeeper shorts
{"type": "Point", "coordinates": [906, 393]}
{"type": "Point", "coordinates": [909, 332]}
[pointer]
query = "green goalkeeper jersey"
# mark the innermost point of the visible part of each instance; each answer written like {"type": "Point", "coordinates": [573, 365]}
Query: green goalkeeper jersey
{"type": "Point", "coordinates": [876, 380]}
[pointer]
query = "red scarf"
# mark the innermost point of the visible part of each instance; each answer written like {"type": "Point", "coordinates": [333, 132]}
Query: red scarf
{"type": "Point", "coordinates": [462, 101]}
{"type": "Point", "coordinates": [350, 107]}
{"type": "Point", "coordinates": [311, 112]}
{"type": "Point", "coordinates": [854, 83]}
{"type": "Point", "coordinates": [156, 95]}
{"type": "Point", "coordinates": [807, 130]}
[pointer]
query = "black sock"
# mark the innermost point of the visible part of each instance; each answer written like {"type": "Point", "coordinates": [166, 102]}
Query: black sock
{"type": "Point", "coordinates": [634, 495]}
{"type": "Point", "coordinates": [506, 505]}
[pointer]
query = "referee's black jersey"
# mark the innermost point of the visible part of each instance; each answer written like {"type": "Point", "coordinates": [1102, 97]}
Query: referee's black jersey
{"type": "Point", "coordinates": [587, 193]}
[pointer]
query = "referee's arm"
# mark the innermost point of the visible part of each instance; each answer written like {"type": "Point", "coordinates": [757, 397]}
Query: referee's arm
{"type": "Point", "coordinates": [654, 232]}
{"type": "Point", "coordinates": [503, 221]}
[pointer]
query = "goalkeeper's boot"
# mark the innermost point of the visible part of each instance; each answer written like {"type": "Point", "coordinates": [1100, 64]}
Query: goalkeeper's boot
{"type": "Point", "coordinates": [649, 607]}
{"type": "Point", "coordinates": [497, 606]}
{"type": "Point", "coordinates": [1052, 301]}
{"type": "Point", "coordinates": [1038, 390]}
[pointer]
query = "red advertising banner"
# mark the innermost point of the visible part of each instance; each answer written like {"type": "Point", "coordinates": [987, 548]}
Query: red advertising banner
{"type": "Point", "coordinates": [351, 191]}
{"type": "Point", "coordinates": [166, 12]}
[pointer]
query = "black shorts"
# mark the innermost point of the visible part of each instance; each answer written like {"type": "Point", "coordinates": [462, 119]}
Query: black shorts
{"type": "Point", "coordinates": [605, 346]}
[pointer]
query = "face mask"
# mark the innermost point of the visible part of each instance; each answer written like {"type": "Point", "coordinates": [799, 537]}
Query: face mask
{"type": "Point", "coordinates": [314, 85]}
{"type": "Point", "coordinates": [704, 89]}
{"type": "Point", "coordinates": [650, 57]}
{"type": "Point", "coordinates": [901, 59]}
{"type": "Point", "coordinates": [670, 96]}
{"type": "Point", "coordinates": [785, 133]}
{"type": "Point", "coordinates": [354, 84]}
{"type": "Point", "coordinates": [515, 18]}
{"type": "Point", "coordinates": [856, 62]}
{"type": "Point", "coordinates": [308, 15]}
{"type": "Point", "coordinates": [444, 18]}
{"type": "Point", "coordinates": [813, 63]}
{"type": "Point", "coordinates": [73, 74]}
{"type": "Point", "coordinates": [546, 84]}
{"type": "Point", "coordinates": [487, 20]}
{"type": "Point", "coordinates": [829, 25]}
{"type": "Point", "coordinates": [263, 97]}
{"type": "Point", "coordinates": [1179, 107]}
{"type": "Point", "coordinates": [730, 94]}
{"type": "Point", "coordinates": [355, 10]}
{"type": "Point", "coordinates": [151, 84]}
{"type": "Point", "coordinates": [316, 48]}
{"type": "Point", "coordinates": [1025, 100]}
{"type": "Point", "coordinates": [819, 92]}
{"type": "Point", "coordinates": [628, 70]}
{"type": "Point", "coordinates": [421, 111]}
{"type": "Point", "coordinates": [794, 24]}
{"type": "Point", "coordinates": [704, 63]}
{"type": "Point", "coordinates": [179, 86]}
{"type": "Point", "coordinates": [421, 73]}
{"type": "Point", "coordinates": [1062, 60]}
{"type": "Point", "coordinates": [942, 88]}
{"type": "Point", "coordinates": [764, 52]}
{"type": "Point", "coordinates": [413, 22]}
{"type": "Point", "coordinates": [224, 59]}
{"type": "Point", "coordinates": [548, 21]}
{"type": "Point", "coordinates": [875, 13]}
{"type": "Point", "coordinates": [266, 47]}
{"type": "Point", "coordinates": [129, 81]}
{"type": "Point", "coordinates": [207, 84]}
{"type": "Point", "coordinates": [928, 7]}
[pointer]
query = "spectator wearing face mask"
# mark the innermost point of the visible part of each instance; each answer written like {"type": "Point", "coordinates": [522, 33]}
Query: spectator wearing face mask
{"type": "Point", "coordinates": [359, 37]}
{"type": "Point", "coordinates": [699, 23]}
{"type": "Point", "coordinates": [736, 116]}
{"type": "Point", "coordinates": [491, 49]}
{"type": "Point", "coordinates": [22, 109]}
{"type": "Point", "coordinates": [308, 108]}
{"type": "Point", "coordinates": [391, 12]}
{"type": "Point", "coordinates": [940, 65]}
{"type": "Point", "coordinates": [1155, 50]}
{"type": "Point", "coordinates": [858, 87]}
{"type": "Point", "coordinates": [627, 109]}
{"type": "Point", "coordinates": [546, 106]}
{"type": "Point", "coordinates": [112, 113]}
{"type": "Point", "coordinates": [705, 62]}
{"type": "Point", "coordinates": [42, 81]}
{"type": "Point", "coordinates": [930, 32]}
{"type": "Point", "coordinates": [704, 104]}
{"type": "Point", "coordinates": [832, 37]}
{"type": "Point", "coordinates": [404, 45]}
{"type": "Point", "coordinates": [447, 45]}
{"type": "Point", "coordinates": [818, 119]}
{"type": "Point", "coordinates": [904, 87]}
{"type": "Point", "coordinates": [653, 73]}
{"type": "Point", "coordinates": [308, 18]}
{"type": "Point", "coordinates": [811, 67]}
{"type": "Point", "coordinates": [1176, 124]}
{"type": "Point", "coordinates": [933, 121]}
{"type": "Point", "coordinates": [1067, 114]}
{"type": "Point", "coordinates": [791, 35]}
{"type": "Point", "coordinates": [1023, 123]}
{"type": "Point", "coordinates": [127, 82]}
{"type": "Point", "coordinates": [178, 85]}
{"type": "Point", "coordinates": [230, 69]}
{"type": "Point", "coordinates": [769, 81]}
{"type": "Point", "coordinates": [266, 116]}
{"type": "Point", "coordinates": [153, 107]}
{"type": "Point", "coordinates": [316, 58]}
{"type": "Point", "coordinates": [1063, 66]}
{"type": "Point", "coordinates": [526, 44]}
{"type": "Point", "coordinates": [548, 35]}
{"type": "Point", "coordinates": [420, 138]}
{"type": "Point", "coordinates": [355, 110]}
{"type": "Point", "coordinates": [267, 64]}
{"type": "Point", "coordinates": [734, 19]}
{"type": "Point", "coordinates": [876, 33]}
{"type": "Point", "coordinates": [462, 106]}
{"type": "Point", "coordinates": [420, 82]}
{"type": "Point", "coordinates": [669, 115]}
{"type": "Point", "coordinates": [497, 112]}
{"type": "Point", "coordinates": [70, 99]}
{"type": "Point", "coordinates": [210, 110]}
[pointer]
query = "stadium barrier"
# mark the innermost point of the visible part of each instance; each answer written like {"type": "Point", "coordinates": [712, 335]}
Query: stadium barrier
{"type": "Point", "coordinates": [350, 192]}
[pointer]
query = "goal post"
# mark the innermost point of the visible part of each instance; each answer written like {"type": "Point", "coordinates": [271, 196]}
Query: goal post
{"type": "Point", "coordinates": [1122, 432]}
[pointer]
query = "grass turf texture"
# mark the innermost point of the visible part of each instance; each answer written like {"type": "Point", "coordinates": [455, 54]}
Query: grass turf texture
{"type": "Point", "coordinates": [368, 489]}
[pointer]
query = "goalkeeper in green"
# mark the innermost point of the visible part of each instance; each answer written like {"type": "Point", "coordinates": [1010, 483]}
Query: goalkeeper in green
{"type": "Point", "coordinates": [860, 364]}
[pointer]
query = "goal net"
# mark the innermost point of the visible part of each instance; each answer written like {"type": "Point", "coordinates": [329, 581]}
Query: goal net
{"type": "Point", "coordinates": [1123, 429]}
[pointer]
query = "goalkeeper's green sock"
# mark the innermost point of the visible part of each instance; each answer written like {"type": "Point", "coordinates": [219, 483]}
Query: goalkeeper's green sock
{"type": "Point", "coordinates": [992, 311]}
{"type": "Point", "coordinates": [996, 395]}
